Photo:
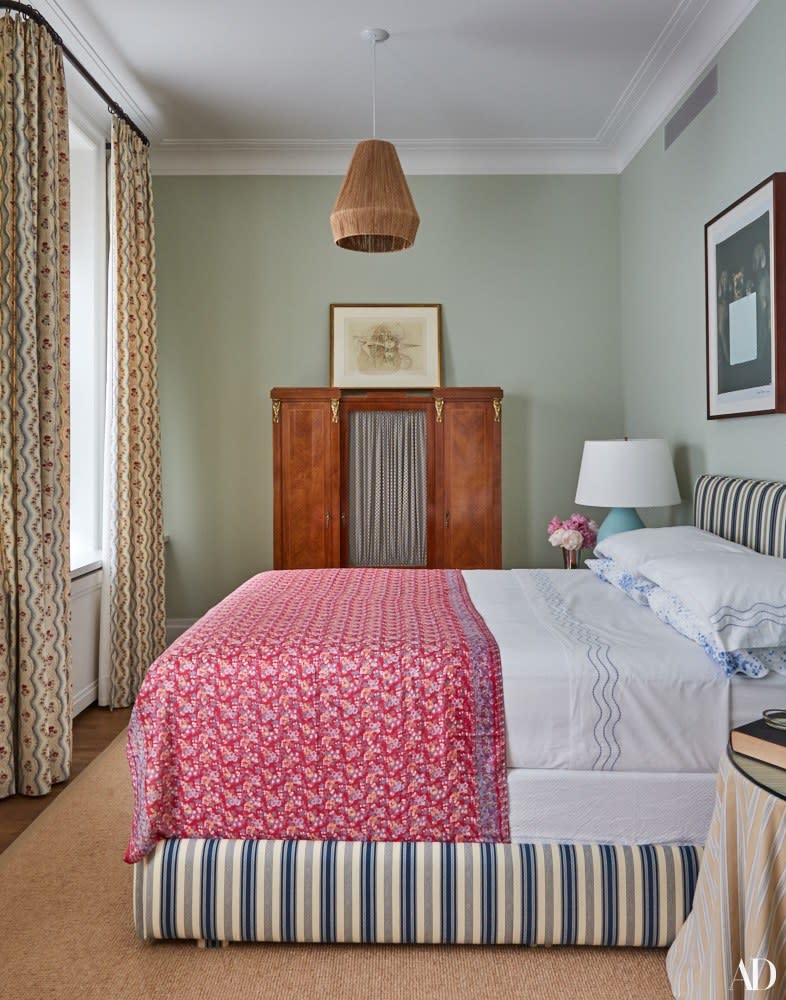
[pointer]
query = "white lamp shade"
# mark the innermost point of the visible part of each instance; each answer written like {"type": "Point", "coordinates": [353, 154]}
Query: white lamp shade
{"type": "Point", "coordinates": [636, 473]}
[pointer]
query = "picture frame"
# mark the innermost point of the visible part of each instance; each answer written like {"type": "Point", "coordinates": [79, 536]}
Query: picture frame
{"type": "Point", "coordinates": [386, 346]}
{"type": "Point", "coordinates": [745, 275]}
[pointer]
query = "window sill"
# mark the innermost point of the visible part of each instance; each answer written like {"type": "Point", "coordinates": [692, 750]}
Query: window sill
{"type": "Point", "coordinates": [86, 569]}
{"type": "Point", "coordinates": [94, 565]}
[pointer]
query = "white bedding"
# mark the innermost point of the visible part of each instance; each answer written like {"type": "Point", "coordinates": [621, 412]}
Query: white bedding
{"type": "Point", "coordinates": [601, 807]}
{"type": "Point", "coordinates": [594, 682]}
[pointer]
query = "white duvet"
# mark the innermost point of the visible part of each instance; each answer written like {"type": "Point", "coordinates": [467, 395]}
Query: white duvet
{"type": "Point", "coordinates": [595, 682]}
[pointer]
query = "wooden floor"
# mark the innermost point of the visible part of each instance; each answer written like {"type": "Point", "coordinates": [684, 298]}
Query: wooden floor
{"type": "Point", "coordinates": [94, 730]}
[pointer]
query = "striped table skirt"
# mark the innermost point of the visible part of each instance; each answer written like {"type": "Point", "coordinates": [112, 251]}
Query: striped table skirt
{"type": "Point", "coordinates": [733, 945]}
{"type": "Point", "coordinates": [414, 893]}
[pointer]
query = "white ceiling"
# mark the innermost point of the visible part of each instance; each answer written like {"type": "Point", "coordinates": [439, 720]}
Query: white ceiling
{"type": "Point", "coordinates": [477, 86]}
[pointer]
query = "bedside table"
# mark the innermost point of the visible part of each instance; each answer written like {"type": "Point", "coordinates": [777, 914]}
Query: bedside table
{"type": "Point", "coordinates": [739, 909]}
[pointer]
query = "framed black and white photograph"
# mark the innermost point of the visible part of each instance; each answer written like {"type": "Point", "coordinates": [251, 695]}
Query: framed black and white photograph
{"type": "Point", "coordinates": [385, 347]}
{"type": "Point", "coordinates": [745, 255]}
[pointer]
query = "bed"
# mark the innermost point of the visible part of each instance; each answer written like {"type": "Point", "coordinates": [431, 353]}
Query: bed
{"type": "Point", "coordinates": [614, 725]}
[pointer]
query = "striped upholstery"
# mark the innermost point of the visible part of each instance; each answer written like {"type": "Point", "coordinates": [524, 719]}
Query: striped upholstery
{"type": "Point", "coordinates": [272, 890]}
{"type": "Point", "coordinates": [749, 511]}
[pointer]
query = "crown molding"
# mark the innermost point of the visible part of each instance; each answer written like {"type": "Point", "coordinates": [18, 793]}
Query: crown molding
{"type": "Point", "coordinates": [432, 156]}
{"type": "Point", "coordinates": [683, 52]}
{"type": "Point", "coordinates": [692, 38]}
{"type": "Point", "coordinates": [120, 91]}
{"type": "Point", "coordinates": [676, 29]}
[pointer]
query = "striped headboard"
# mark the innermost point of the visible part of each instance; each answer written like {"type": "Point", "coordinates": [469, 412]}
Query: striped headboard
{"type": "Point", "coordinates": [749, 511]}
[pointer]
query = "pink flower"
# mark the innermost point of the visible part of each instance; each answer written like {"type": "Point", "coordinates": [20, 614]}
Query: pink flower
{"type": "Point", "coordinates": [572, 539]}
{"type": "Point", "coordinates": [555, 538]}
{"type": "Point", "coordinates": [576, 525]}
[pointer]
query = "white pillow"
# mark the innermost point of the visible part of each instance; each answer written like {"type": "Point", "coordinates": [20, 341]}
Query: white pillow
{"type": "Point", "coordinates": [630, 549]}
{"type": "Point", "coordinates": [752, 662]}
{"type": "Point", "coordinates": [739, 597]}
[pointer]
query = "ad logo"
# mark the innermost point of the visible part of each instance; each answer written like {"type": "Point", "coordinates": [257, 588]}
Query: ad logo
{"type": "Point", "coordinates": [753, 977]}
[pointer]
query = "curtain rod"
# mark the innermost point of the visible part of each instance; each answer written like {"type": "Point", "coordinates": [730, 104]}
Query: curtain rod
{"type": "Point", "coordinates": [114, 107]}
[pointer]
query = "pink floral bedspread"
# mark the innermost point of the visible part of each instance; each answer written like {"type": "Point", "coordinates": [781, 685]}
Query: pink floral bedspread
{"type": "Point", "coordinates": [339, 704]}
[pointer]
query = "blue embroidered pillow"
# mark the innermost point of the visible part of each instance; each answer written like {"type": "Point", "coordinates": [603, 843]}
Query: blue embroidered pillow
{"type": "Point", "coordinates": [670, 609]}
{"type": "Point", "coordinates": [635, 586]}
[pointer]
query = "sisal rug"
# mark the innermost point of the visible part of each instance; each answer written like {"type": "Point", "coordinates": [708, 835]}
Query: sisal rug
{"type": "Point", "coordinates": [66, 932]}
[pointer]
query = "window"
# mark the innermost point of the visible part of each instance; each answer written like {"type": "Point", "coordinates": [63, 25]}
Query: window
{"type": "Point", "coordinates": [88, 340]}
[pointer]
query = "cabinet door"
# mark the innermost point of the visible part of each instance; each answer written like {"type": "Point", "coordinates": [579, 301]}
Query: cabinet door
{"type": "Point", "coordinates": [305, 483]}
{"type": "Point", "coordinates": [471, 484]}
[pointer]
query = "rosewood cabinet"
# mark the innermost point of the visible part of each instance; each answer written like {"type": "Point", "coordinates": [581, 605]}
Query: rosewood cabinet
{"type": "Point", "coordinates": [457, 468]}
{"type": "Point", "coordinates": [469, 484]}
{"type": "Point", "coordinates": [306, 477]}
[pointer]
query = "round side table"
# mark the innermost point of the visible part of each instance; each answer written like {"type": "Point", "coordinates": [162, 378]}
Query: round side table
{"type": "Point", "coordinates": [733, 944]}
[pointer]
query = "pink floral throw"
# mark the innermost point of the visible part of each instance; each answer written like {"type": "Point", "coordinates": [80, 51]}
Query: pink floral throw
{"type": "Point", "coordinates": [339, 704]}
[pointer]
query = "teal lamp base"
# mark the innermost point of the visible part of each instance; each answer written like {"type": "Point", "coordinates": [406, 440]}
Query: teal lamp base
{"type": "Point", "coordinates": [619, 519]}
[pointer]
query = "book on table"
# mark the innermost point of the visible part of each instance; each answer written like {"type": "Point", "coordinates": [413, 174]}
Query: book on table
{"type": "Point", "coordinates": [761, 742]}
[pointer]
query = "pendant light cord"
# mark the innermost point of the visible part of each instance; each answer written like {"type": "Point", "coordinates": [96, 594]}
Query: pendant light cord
{"type": "Point", "coordinates": [373, 88]}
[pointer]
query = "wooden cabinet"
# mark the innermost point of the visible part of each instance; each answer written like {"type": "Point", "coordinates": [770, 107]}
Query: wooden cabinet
{"type": "Point", "coordinates": [468, 490]}
{"type": "Point", "coordinates": [306, 505]}
{"type": "Point", "coordinates": [461, 462]}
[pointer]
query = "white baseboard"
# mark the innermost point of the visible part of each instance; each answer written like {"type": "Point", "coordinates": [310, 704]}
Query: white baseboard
{"type": "Point", "coordinates": [83, 698]}
{"type": "Point", "coordinates": [176, 627]}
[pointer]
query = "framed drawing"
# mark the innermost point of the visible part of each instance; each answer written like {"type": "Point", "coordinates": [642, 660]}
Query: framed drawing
{"type": "Point", "coordinates": [385, 347]}
{"type": "Point", "coordinates": [745, 268]}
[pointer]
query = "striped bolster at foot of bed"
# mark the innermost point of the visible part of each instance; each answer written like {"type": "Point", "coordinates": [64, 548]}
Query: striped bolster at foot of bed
{"type": "Point", "coordinates": [414, 893]}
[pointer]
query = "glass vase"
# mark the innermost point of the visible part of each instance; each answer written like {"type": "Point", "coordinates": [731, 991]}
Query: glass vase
{"type": "Point", "coordinates": [571, 558]}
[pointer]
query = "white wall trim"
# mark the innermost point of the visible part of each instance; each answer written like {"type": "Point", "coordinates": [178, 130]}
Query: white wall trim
{"type": "Point", "coordinates": [688, 43]}
{"type": "Point", "coordinates": [659, 91]}
{"type": "Point", "coordinates": [176, 627]}
{"type": "Point", "coordinates": [104, 65]}
{"type": "Point", "coordinates": [86, 584]}
{"type": "Point", "coordinates": [674, 32]}
{"type": "Point", "coordinates": [84, 698]}
{"type": "Point", "coordinates": [432, 156]}
{"type": "Point", "coordinates": [86, 610]}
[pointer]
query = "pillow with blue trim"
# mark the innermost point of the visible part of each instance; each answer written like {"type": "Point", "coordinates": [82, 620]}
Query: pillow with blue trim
{"type": "Point", "coordinates": [739, 598]}
{"type": "Point", "coordinates": [751, 662]}
{"type": "Point", "coordinates": [635, 586]}
{"type": "Point", "coordinates": [668, 607]}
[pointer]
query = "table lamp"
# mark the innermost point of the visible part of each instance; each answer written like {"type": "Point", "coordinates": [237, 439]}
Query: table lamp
{"type": "Point", "coordinates": [624, 475]}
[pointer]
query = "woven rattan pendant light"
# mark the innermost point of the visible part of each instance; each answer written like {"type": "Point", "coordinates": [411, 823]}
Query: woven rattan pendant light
{"type": "Point", "coordinates": [374, 211]}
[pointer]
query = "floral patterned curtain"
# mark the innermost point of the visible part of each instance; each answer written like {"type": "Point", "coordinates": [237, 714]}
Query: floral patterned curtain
{"type": "Point", "coordinates": [35, 609]}
{"type": "Point", "coordinates": [133, 614]}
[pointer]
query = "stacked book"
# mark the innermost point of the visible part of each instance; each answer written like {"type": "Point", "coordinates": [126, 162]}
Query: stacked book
{"type": "Point", "coordinates": [760, 741]}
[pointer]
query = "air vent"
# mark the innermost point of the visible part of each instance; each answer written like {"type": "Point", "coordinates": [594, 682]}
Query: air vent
{"type": "Point", "coordinates": [696, 101]}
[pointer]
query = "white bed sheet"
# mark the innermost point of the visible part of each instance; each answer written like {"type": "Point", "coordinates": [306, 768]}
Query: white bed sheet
{"type": "Point", "coordinates": [602, 807]}
{"type": "Point", "coordinates": [594, 682]}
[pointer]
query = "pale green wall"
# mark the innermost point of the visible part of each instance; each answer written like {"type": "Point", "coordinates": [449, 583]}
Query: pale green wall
{"type": "Point", "coordinates": [526, 269]}
{"type": "Point", "coordinates": [582, 296]}
{"type": "Point", "coordinates": [665, 200]}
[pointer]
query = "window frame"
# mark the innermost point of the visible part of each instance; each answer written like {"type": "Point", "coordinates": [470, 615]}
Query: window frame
{"type": "Point", "coordinates": [88, 143]}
